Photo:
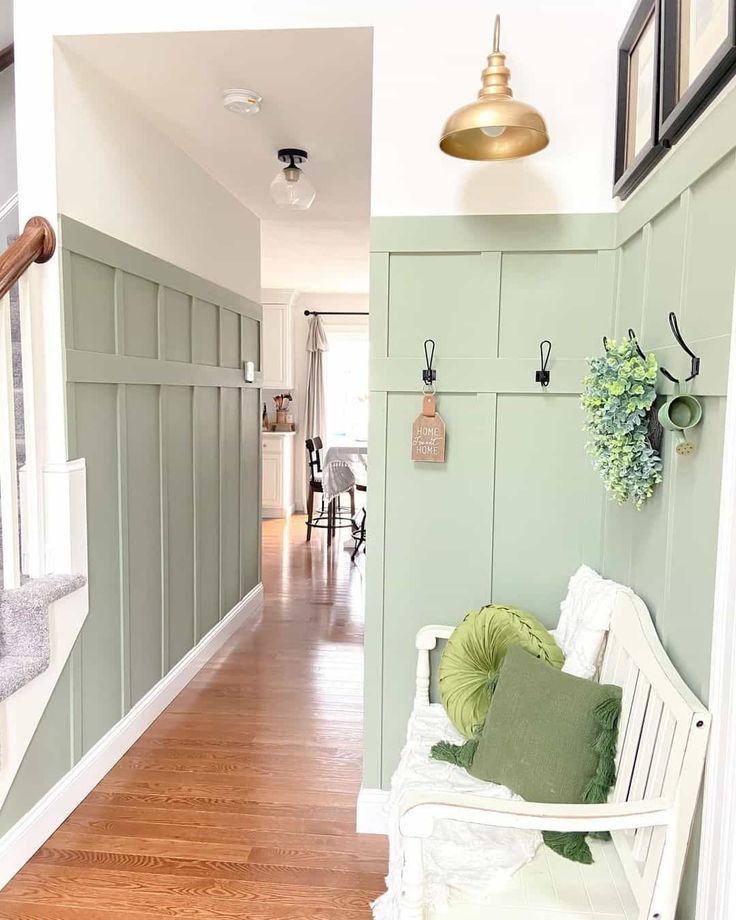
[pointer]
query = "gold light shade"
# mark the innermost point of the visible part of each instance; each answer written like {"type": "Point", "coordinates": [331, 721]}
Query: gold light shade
{"type": "Point", "coordinates": [496, 126]}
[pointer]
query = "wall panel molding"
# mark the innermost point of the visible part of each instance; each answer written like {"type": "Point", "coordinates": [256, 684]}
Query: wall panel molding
{"type": "Point", "coordinates": [76, 237]}
{"type": "Point", "coordinates": [490, 233]}
{"type": "Point", "coordinates": [172, 451]}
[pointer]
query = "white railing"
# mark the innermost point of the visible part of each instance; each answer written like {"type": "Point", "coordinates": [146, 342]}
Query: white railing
{"type": "Point", "coordinates": [19, 551]}
{"type": "Point", "coordinates": [9, 505]}
{"type": "Point", "coordinates": [8, 454]}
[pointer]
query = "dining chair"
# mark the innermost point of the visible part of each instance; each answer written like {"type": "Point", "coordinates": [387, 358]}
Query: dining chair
{"type": "Point", "coordinates": [328, 518]}
{"type": "Point", "coordinates": [360, 532]}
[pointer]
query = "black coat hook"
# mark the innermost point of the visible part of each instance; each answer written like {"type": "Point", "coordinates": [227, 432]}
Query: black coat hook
{"type": "Point", "coordinates": [632, 336]}
{"type": "Point", "coordinates": [694, 359]}
{"type": "Point", "coordinates": [542, 375]}
{"type": "Point", "coordinates": [429, 375]}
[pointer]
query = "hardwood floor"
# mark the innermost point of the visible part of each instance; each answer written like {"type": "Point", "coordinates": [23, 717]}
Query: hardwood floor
{"type": "Point", "coordinates": [239, 801]}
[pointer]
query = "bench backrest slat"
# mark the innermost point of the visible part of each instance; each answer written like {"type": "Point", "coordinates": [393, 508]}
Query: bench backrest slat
{"type": "Point", "coordinates": [659, 752]}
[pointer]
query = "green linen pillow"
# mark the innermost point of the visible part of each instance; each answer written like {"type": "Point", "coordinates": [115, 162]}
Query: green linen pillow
{"type": "Point", "coordinates": [549, 737]}
{"type": "Point", "coordinates": [474, 653]}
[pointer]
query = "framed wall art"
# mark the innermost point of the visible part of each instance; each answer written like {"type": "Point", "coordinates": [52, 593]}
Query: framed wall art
{"type": "Point", "coordinates": [698, 53]}
{"type": "Point", "coordinates": [638, 145]}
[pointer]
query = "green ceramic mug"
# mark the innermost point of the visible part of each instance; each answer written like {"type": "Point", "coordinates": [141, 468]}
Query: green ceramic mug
{"type": "Point", "coordinates": [680, 412]}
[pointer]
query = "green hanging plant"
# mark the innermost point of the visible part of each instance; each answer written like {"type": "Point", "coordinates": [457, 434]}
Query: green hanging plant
{"type": "Point", "coordinates": [617, 394]}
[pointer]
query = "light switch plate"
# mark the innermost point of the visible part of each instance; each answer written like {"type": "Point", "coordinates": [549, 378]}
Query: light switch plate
{"type": "Point", "coordinates": [249, 371]}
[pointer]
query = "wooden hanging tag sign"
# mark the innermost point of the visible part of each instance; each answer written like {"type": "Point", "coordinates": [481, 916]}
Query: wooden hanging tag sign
{"type": "Point", "coordinates": [428, 433]}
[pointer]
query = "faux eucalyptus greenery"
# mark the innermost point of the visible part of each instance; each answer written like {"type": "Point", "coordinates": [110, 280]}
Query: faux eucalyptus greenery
{"type": "Point", "coordinates": [617, 394]}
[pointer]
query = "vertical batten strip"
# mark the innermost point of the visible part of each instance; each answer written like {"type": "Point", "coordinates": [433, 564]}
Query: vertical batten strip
{"type": "Point", "coordinates": [125, 638]}
{"type": "Point", "coordinates": [8, 460]}
{"type": "Point", "coordinates": [492, 400]}
{"type": "Point", "coordinates": [164, 518]}
{"type": "Point", "coordinates": [160, 323]}
{"type": "Point", "coordinates": [220, 496]}
{"type": "Point", "coordinates": [375, 594]}
{"type": "Point", "coordinates": [241, 485]}
{"type": "Point", "coordinates": [646, 238]}
{"type": "Point", "coordinates": [195, 545]}
{"type": "Point", "coordinates": [686, 207]}
{"type": "Point", "coordinates": [379, 305]}
{"type": "Point", "coordinates": [118, 308]}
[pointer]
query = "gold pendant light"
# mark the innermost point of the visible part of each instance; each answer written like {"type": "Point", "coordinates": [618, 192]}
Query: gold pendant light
{"type": "Point", "coordinates": [496, 126]}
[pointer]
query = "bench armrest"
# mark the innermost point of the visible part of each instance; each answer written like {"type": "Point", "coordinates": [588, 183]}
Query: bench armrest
{"type": "Point", "coordinates": [419, 810]}
{"type": "Point", "coordinates": [427, 636]}
{"type": "Point", "coordinates": [425, 641]}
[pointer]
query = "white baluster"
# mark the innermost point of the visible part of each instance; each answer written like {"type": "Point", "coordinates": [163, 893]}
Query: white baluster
{"type": "Point", "coordinates": [8, 463]}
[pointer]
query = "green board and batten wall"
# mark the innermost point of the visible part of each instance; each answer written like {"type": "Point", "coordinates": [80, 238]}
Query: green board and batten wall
{"type": "Point", "coordinates": [517, 507]}
{"type": "Point", "coordinates": [157, 406]}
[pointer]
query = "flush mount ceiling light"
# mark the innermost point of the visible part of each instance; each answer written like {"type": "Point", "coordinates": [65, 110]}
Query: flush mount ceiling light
{"type": "Point", "coordinates": [291, 188]}
{"type": "Point", "coordinates": [496, 126]}
{"type": "Point", "coordinates": [242, 101]}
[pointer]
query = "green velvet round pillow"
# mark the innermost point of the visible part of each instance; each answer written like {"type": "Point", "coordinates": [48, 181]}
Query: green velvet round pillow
{"type": "Point", "coordinates": [474, 653]}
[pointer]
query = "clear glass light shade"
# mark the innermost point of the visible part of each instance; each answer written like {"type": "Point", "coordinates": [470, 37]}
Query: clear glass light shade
{"type": "Point", "coordinates": [292, 189]}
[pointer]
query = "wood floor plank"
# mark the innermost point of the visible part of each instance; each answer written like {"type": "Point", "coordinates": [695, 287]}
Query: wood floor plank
{"type": "Point", "coordinates": [239, 801]}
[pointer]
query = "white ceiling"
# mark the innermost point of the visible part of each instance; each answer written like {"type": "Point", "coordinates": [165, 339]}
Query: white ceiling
{"type": "Point", "coordinates": [316, 87]}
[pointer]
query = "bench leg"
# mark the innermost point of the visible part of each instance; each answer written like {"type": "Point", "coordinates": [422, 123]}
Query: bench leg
{"type": "Point", "coordinates": [412, 907]}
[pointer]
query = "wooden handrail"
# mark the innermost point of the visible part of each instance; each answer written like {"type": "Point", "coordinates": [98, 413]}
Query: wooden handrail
{"type": "Point", "coordinates": [7, 57]}
{"type": "Point", "coordinates": [37, 243]}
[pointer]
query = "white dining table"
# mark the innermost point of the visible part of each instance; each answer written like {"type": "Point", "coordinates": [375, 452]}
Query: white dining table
{"type": "Point", "coordinates": [343, 466]}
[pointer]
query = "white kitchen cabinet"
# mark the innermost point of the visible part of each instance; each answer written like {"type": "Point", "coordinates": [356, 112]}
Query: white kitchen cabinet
{"type": "Point", "coordinates": [277, 362]}
{"type": "Point", "coordinates": [277, 491]}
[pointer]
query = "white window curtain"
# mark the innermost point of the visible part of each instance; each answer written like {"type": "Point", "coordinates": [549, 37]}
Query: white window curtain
{"type": "Point", "coordinates": [314, 407]}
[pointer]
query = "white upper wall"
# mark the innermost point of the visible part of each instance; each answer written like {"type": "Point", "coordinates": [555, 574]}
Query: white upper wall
{"type": "Point", "coordinates": [119, 174]}
{"type": "Point", "coordinates": [428, 58]}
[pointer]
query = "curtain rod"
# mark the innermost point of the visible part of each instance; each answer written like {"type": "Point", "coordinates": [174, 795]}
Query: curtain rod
{"type": "Point", "coordinates": [335, 313]}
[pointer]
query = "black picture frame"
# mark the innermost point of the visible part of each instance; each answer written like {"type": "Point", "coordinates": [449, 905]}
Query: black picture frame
{"type": "Point", "coordinates": [677, 114]}
{"type": "Point", "coordinates": [626, 178]}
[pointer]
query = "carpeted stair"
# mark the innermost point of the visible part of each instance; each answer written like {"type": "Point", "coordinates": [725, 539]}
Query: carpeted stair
{"type": "Point", "coordinates": [25, 649]}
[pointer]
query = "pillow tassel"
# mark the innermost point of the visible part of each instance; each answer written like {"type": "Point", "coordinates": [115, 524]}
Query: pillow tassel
{"type": "Point", "coordinates": [460, 754]}
{"type": "Point", "coordinates": [569, 845]}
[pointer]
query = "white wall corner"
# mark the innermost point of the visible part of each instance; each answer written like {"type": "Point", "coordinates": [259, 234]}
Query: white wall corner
{"type": "Point", "coordinates": [717, 867]}
{"type": "Point", "coordinates": [371, 815]}
{"type": "Point", "coordinates": [65, 512]}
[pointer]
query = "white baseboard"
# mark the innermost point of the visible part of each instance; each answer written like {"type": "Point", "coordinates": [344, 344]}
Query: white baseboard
{"type": "Point", "coordinates": [36, 826]}
{"type": "Point", "coordinates": [269, 513]}
{"type": "Point", "coordinates": [371, 814]}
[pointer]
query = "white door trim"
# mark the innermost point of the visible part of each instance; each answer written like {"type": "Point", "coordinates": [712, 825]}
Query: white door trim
{"type": "Point", "coordinates": [717, 869]}
{"type": "Point", "coordinates": [36, 826]}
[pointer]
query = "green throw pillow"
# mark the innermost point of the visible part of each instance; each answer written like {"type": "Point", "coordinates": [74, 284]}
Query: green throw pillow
{"type": "Point", "coordinates": [474, 653]}
{"type": "Point", "coordinates": [549, 737]}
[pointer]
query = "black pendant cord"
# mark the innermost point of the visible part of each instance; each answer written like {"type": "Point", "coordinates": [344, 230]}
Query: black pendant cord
{"type": "Point", "coordinates": [542, 375]}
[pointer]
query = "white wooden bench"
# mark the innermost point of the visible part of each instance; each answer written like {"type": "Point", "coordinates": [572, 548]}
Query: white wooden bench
{"type": "Point", "coordinates": [661, 753]}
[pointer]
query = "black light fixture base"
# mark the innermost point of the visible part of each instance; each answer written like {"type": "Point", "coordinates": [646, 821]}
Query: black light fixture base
{"type": "Point", "coordinates": [294, 156]}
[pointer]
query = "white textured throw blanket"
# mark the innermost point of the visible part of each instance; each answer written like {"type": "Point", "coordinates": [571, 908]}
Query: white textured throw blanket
{"type": "Point", "coordinates": [461, 861]}
{"type": "Point", "coordinates": [467, 862]}
{"type": "Point", "coordinates": [585, 617]}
